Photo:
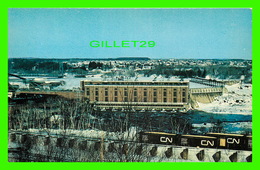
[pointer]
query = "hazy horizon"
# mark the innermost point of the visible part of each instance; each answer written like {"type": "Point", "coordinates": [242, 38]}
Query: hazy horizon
{"type": "Point", "coordinates": [107, 58]}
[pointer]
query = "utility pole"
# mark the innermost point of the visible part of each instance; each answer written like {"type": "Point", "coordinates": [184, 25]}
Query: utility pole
{"type": "Point", "coordinates": [102, 148]}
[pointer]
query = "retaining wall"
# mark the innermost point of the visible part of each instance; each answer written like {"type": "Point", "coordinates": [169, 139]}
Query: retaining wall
{"type": "Point", "coordinates": [25, 147]}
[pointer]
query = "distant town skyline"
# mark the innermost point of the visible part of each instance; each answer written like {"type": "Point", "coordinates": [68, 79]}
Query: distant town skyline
{"type": "Point", "coordinates": [178, 33]}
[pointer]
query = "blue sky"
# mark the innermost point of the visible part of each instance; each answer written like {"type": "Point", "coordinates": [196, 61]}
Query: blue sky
{"type": "Point", "coordinates": [178, 33]}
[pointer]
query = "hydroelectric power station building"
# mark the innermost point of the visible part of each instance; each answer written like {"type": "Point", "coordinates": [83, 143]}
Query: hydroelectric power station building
{"type": "Point", "coordinates": [148, 95]}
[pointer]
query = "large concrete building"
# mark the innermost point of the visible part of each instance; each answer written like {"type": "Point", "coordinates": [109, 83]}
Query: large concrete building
{"type": "Point", "coordinates": [146, 95]}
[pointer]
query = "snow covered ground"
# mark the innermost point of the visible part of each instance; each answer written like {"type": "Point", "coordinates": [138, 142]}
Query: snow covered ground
{"type": "Point", "coordinates": [238, 100]}
{"type": "Point", "coordinates": [228, 127]}
{"type": "Point", "coordinates": [91, 133]}
{"type": "Point", "coordinates": [71, 82]}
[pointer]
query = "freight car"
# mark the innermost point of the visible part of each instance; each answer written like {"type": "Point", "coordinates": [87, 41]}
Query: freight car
{"type": "Point", "coordinates": [158, 138]}
{"type": "Point", "coordinates": [210, 140]}
{"type": "Point", "coordinates": [178, 140]}
{"type": "Point", "coordinates": [198, 141]}
{"type": "Point", "coordinates": [233, 141]}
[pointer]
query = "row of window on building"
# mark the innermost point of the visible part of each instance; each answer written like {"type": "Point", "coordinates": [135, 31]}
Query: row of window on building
{"type": "Point", "coordinates": [133, 96]}
{"type": "Point", "coordinates": [134, 92]}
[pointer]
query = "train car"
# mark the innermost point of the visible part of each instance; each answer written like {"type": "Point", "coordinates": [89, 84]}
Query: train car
{"type": "Point", "coordinates": [198, 141]}
{"type": "Point", "coordinates": [232, 141]}
{"type": "Point", "coordinates": [210, 140]}
{"type": "Point", "coordinates": [248, 143]}
{"type": "Point", "coordinates": [157, 138]}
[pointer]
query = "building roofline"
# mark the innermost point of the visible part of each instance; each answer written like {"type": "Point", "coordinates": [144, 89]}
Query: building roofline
{"type": "Point", "coordinates": [138, 81]}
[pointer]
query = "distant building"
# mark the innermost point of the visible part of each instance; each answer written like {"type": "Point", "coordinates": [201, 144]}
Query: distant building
{"type": "Point", "coordinates": [146, 95]}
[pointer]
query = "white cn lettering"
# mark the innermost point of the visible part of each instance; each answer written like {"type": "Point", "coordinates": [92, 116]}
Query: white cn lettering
{"type": "Point", "coordinates": [165, 139]}
{"type": "Point", "coordinates": [207, 143]}
{"type": "Point", "coordinates": [233, 140]}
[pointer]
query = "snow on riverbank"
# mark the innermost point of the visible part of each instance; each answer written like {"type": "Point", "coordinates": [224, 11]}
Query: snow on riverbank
{"type": "Point", "coordinates": [238, 100]}
{"type": "Point", "coordinates": [228, 127]}
{"type": "Point", "coordinates": [130, 134]}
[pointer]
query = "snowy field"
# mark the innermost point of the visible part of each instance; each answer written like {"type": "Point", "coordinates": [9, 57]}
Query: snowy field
{"type": "Point", "coordinates": [238, 100]}
{"type": "Point", "coordinates": [71, 82]}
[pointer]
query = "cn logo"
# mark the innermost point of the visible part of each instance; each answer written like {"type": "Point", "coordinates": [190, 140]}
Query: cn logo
{"type": "Point", "coordinates": [166, 139]}
{"type": "Point", "coordinates": [207, 143]}
{"type": "Point", "coordinates": [233, 140]}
